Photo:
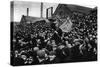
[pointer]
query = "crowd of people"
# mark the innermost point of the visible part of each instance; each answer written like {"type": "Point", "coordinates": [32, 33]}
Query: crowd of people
{"type": "Point", "coordinates": [44, 43]}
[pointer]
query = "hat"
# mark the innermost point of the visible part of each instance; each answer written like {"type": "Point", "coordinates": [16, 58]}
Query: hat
{"type": "Point", "coordinates": [36, 48]}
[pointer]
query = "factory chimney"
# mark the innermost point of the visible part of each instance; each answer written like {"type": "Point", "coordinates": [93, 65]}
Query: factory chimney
{"type": "Point", "coordinates": [41, 10]}
{"type": "Point", "coordinates": [27, 11]}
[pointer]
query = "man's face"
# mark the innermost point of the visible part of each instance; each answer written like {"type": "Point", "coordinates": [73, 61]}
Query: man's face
{"type": "Point", "coordinates": [56, 23]}
{"type": "Point", "coordinates": [48, 42]}
{"type": "Point", "coordinates": [77, 43]}
{"type": "Point", "coordinates": [53, 42]}
{"type": "Point", "coordinates": [38, 41]}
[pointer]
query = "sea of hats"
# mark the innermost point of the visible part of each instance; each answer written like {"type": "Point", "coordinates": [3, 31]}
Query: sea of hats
{"type": "Point", "coordinates": [44, 43]}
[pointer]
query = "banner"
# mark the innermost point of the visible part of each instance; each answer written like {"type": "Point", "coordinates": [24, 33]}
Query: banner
{"type": "Point", "coordinates": [66, 26]}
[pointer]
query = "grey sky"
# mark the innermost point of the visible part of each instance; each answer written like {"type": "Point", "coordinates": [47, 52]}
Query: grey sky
{"type": "Point", "coordinates": [20, 8]}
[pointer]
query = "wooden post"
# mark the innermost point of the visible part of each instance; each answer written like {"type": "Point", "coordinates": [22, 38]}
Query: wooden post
{"type": "Point", "coordinates": [47, 13]}
{"type": "Point", "coordinates": [51, 11]}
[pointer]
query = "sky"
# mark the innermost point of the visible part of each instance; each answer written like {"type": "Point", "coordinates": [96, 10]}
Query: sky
{"type": "Point", "coordinates": [20, 8]}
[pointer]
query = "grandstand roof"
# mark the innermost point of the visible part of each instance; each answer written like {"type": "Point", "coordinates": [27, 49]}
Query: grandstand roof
{"type": "Point", "coordinates": [69, 8]}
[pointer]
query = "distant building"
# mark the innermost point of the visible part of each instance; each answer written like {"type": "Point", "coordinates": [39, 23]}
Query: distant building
{"type": "Point", "coordinates": [29, 19]}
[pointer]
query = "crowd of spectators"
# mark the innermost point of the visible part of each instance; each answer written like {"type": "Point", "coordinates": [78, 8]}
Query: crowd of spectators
{"type": "Point", "coordinates": [44, 43]}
